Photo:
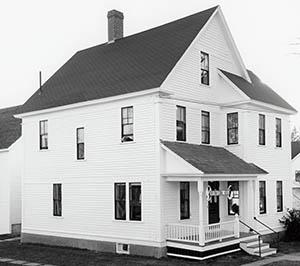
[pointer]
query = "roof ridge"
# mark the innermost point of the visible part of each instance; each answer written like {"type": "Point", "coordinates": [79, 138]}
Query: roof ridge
{"type": "Point", "coordinates": [154, 28]}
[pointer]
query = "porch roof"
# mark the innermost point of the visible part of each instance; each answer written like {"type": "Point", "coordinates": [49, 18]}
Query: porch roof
{"type": "Point", "coordinates": [213, 160]}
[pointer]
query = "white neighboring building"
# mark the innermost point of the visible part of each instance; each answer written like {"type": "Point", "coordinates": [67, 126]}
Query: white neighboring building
{"type": "Point", "coordinates": [10, 171]}
{"type": "Point", "coordinates": [143, 144]}
{"type": "Point", "coordinates": [296, 173]}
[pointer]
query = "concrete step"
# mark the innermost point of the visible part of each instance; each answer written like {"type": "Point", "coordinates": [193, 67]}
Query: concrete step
{"type": "Point", "coordinates": [255, 247]}
{"type": "Point", "coordinates": [266, 252]}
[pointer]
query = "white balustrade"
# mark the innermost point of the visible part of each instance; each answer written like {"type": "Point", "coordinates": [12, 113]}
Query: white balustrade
{"type": "Point", "coordinates": [182, 232]}
{"type": "Point", "coordinates": [220, 231]}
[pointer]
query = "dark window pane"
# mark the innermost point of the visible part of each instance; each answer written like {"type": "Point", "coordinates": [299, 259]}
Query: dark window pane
{"type": "Point", "coordinates": [120, 201]}
{"type": "Point", "coordinates": [262, 197]}
{"type": "Point", "coordinates": [43, 134]}
{"type": "Point", "coordinates": [127, 124]}
{"type": "Point", "coordinates": [279, 196]}
{"type": "Point", "coordinates": [135, 201]}
{"type": "Point", "coordinates": [205, 138]}
{"type": "Point", "coordinates": [181, 123]}
{"type": "Point", "coordinates": [204, 68]}
{"type": "Point", "coordinates": [261, 130]}
{"type": "Point", "coordinates": [232, 128]}
{"type": "Point", "coordinates": [57, 198]}
{"type": "Point", "coordinates": [80, 143]}
{"type": "Point", "coordinates": [184, 200]}
{"type": "Point", "coordinates": [278, 133]}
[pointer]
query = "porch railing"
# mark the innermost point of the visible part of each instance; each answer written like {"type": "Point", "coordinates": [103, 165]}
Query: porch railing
{"type": "Point", "coordinates": [212, 232]}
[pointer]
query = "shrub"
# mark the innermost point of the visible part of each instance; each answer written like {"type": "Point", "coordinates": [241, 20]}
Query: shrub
{"type": "Point", "coordinates": [291, 221]}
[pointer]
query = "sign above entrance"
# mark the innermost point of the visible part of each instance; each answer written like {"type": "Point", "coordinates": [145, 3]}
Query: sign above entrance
{"type": "Point", "coordinates": [216, 193]}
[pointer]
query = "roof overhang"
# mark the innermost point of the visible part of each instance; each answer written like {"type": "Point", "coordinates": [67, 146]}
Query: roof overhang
{"type": "Point", "coordinates": [174, 177]}
{"type": "Point", "coordinates": [159, 91]}
{"type": "Point", "coordinates": [4, 150]}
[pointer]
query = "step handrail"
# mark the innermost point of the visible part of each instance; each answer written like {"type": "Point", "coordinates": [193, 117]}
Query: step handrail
{"type": "Point", "coordinates": [259, 235]}
{"type": "Point", "coordinates": [265, 225]}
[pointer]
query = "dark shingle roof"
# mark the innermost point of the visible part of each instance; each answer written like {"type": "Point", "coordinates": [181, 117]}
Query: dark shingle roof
{"type": "Point", "coordinates": [257, 90]}
{"type": "Point", "coordinates": [131, 64]}
{"type": "Point", "coordinates": [213, 160]}
{"type": "Point", "coordinates": [10, 127]}
{"type": "Point", "coordinates": [295, 148]}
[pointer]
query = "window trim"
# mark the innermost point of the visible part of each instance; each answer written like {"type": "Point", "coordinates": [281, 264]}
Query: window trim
{"type": "Point", "coordinates": [130, 184]}
{"type": "Point", "coordinates": [263, 130]}
{"type": "Point", "coordinates": [206, 129]}
{"type": "Point", "coordinates": [264, 197]}
{"type": "Point", "coordinates": [183, 200]}
{"type": "Point", "coordinates": [78, 143]}
{"type": "Point", "coordinates": [178, 107]}
{"type": "Point", "coordinates": [232, 128]}
{"type": "Point", "coordinates": [123, 136]}
{"type": "Point", "coordinates": [54, 214]}
{"type": "Point", "coordinates": [203, 69]}
{"type": "Point", "coordinates": [281, 196]}
{"type": "Point", "coordinates": [43, 134]}
{"type": "Point", "coordinates": [278, 132]}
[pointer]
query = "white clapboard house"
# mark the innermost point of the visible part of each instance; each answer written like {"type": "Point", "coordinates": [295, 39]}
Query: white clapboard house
{"type": "Point", "coordinates": [150, 144]}
{"type": "Point", "coordinates": [10, 171]}
{"type": "Point", "coordinates": [296, 173]}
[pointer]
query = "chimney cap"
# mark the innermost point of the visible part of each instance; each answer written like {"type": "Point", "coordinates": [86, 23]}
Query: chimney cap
{"type": "Point", "coordinates": [115, 13]}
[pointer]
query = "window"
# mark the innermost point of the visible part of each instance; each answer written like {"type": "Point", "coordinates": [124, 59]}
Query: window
{"type": "Point", "coordinates": [120, 201]}
{"type": "Point", "coordinates": [135, 206]}
{"type": "Point", "coordinates": [232, 128]}
{"type": "Point", "coordinates": [204, 68]}
{"type": "Point", "coordinates": [80, 143]}
{"type": "Point", "coordinates": [262, 130]}
{"type": "Point", "coordinates": [278, 132]}
{"type": "Point", "coordinates": [279, 196]}
{"type": "Point", "coordinates": [205, 134]}
{"type": "Point", "coordinates": [297, 176]}
{"type": "Point", "coordinates": [57, 198]}
{"type": "Point", "coordinates": [233, 203]}
{"type": "Point", "coordinates": [262, 197]}
{"type": "Point", "coordinates": [127, 124]}
{"type": "Point", "coordinates": [181, 123]}
{"type": "Point", "coordinates": [44, 135]}
{"type": "Point", "coordinates": [184, 200]}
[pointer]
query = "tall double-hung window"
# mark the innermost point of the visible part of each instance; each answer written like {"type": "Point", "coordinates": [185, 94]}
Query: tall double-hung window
{"type": "Point", "coordinates": [181, 123]}
{"type": "Point", "coordinates": [262, 197]}
{"type": "Point", "coordinates": [205, 127]}
{"type": "Point", "coordinates": [127, 124]}
{"type": "Point", "coordinates": [278, 133]}
{"type": "Point", "coordinates": [232, 128]}
{"type": "Point", "coordinates": [204, 68]}
{"type": "Point", "coordinates": [57, 200]}
{"type": "Point", "coordinates": [279, 196]}
{"type": "Point", "coordinates": [44, 135]}
{"type": "Point", "coordinates": [262, 130]}
{"type": "Point", "coordinates": [80, 143]}
{"type": "Point", "coordinates": [184, 200]}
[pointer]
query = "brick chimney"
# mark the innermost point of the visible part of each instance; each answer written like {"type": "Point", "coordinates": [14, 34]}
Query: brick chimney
{"type": "Point", "coordinates": [115, 25]}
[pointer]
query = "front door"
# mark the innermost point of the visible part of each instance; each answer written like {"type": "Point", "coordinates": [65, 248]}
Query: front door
{"type": "Point", "coordinates": [213, 205]}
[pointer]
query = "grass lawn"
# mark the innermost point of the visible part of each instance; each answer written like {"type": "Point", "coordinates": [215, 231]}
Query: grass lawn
{"type": "Point", "coordinates": [283, 263]}
{"type": "Point", "coordinates": [69, 257]}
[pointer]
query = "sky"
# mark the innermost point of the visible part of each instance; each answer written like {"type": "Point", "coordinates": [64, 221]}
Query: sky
{"type": "Point", "coordinates": [43, 34]}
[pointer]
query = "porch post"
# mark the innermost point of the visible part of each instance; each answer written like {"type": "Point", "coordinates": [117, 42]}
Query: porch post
{"type": "Point", "coordinates": [201, 220]}
{"type": "Point", "coordinates": [236, 226]}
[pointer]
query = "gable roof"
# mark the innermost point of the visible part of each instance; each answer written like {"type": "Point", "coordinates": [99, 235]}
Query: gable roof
{"type": "Point", "coordinates": [295, 146]}
{"type": "Point", "coordinates": [10, 127]}
{"type": "Point", "coordinates": [257, 90]}
{"type": "Point", "coordinates": [213, 160]}
{"type": "Point", "coordinates": [138, 62]}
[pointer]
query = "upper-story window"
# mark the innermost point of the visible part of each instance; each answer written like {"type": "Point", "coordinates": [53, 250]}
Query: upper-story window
{"type": "Point", "coordinates": [278, 133]}
{"type": "Point", "coordinates": [232, 128]}
{"type": "Point", "coordinates": [205, 128]}
{"type": "Point", "coordinates": [204, 68]}
{"type": "Point", "coordinates": [181, 123]}
{"type": "Point", "coordinates": [262, 130]}
{"type": "Point", "coordinates": [44, 135]}
{"type": "Point", "coordinates": [80, 143]}
{"type": "Point", "coordinates": [127, 124]}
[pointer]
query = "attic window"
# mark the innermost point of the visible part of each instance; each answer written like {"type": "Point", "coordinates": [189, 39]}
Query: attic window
{"type": "Point", "coordinates": [204, 68]}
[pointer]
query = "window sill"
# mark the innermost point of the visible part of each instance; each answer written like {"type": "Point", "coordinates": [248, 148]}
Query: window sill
{"type": "Point", "coordinates": [128, 221]}
{"type": "Point", "coordinates": [127, 142]}
{"type": "Point", "coordinates": [43, 150]}
{"type": "Point", "coordinates": [233, 145]}
{"type": "Point", "coordinates": [262, 214]}
{"type": "Point", "coordinates": [81, 160]}
{"type": "Point", "coordinates": [57, 217]}
{"type": "Point", "coordinates": [278, 148]}
{"type": "Point", "coordinates": [205, 86]}
{"type": "Point", "coordinates": [261, 146]}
